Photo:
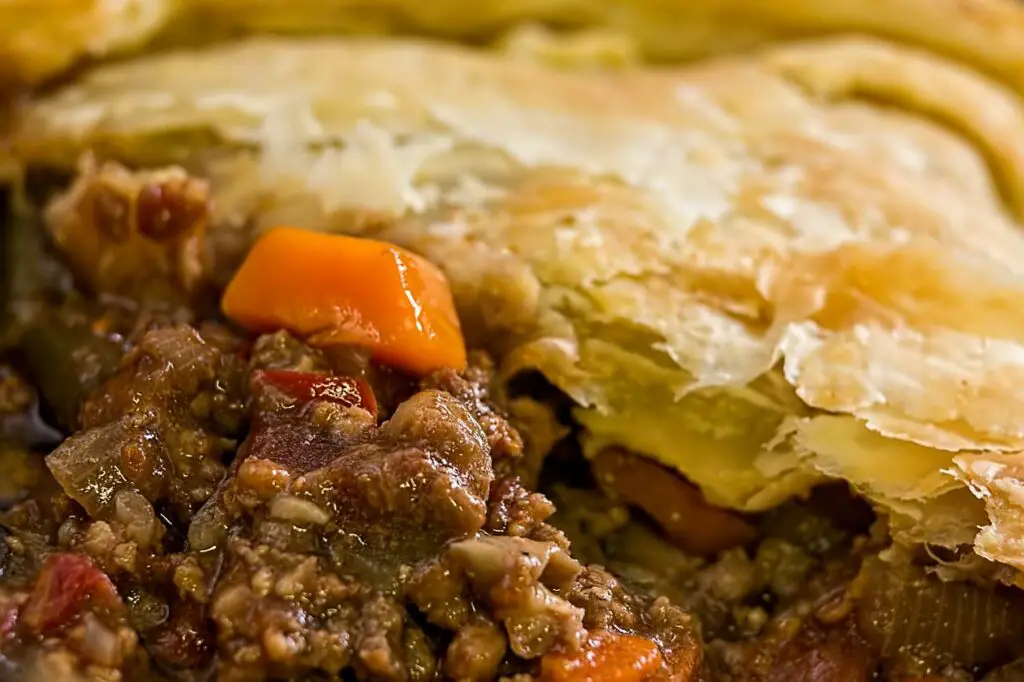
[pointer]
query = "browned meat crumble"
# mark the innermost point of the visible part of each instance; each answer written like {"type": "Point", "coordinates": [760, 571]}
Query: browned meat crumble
{"type": "Point", "coordinates": [236, 528]}
{"type": "Point", "coordinates": [180, 502]}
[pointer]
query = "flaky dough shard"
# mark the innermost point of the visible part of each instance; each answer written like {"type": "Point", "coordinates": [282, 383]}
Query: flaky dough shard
{"type": "Point", "coordinates": [745, 267]}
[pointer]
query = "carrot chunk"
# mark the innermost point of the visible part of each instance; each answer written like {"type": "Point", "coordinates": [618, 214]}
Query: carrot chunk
{"type": "Point", "coordinates": [678, 507]}
{"type": "Point", "coordinates": [334, 289]}
{"type": "Point", "coordinates": [604, 657]}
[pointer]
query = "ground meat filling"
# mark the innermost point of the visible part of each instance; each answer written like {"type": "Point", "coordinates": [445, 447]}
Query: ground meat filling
{"type": "Point", "coordinates": [160, 427]}
{"type": "Point", "coordinates": [229, 508]}
{"type": "Point", "coordinates": [136, 234]}
{"type": "Point", "coordinates": [276, 512]}
{"type": "Point", "coordinates": [372, 520]}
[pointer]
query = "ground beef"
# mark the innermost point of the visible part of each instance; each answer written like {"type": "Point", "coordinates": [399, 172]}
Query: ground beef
{"type": "Point", "coordinates": [422, 483]}
{"type": "Point", "coordinates": [161, 426]}
{"type": "Point", "coordinates": [283, 612]}
{"type": "Point", "coordinates": [522, 582]}
{"type": "Point", "coordinates": [609, 606]}
{"type": "Point", "coordinates": [139, 235]}
{"type": "Point", "coordinates": [283, 351]}
{"type": "Point", "coordinates": [346, 536]}
{"type": "Point", "coordinates": [473, 389]}
{"type": "Point", "coordinates": [514, 510]}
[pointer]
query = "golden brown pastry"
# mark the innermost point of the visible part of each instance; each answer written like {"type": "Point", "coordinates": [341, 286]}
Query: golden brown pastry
{"type": "Point", "coordinates": [765, 270]}
{"type": "Point", "coordinates": [40, 39]}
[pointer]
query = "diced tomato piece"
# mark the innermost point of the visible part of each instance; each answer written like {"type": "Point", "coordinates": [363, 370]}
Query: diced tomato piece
{"type": "Point", "coordinates": [8, 619]}
{"type": "Point", "coordinates": [310, 386]}
{"type": "Point", "coordinates": [66, 584]}
{"type": "Point", "coordinates": [604, 657]}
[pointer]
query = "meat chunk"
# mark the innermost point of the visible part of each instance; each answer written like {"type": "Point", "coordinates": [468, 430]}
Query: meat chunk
{"type": "Point", "coordinates": [473, 389]}
{"type": "Point", "coordinates": [420, 482]}
{"type": "Point", "coordinates": [134, 234]}
{"type": "Point", "coordinates": [160, 426]}
{"type": "Point", "coordinates": [521, 430]}
{"type": "Point", "coordinates": [515, 510]}
{"type": "Point", "coordinates": [405, 504]}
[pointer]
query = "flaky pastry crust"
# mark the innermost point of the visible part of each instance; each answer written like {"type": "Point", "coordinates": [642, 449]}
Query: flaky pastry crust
{"type": "Point", "coordinates": [41, 39]}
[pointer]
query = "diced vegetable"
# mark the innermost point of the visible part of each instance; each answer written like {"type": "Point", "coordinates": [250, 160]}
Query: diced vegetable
{"type": "Point", "coordinates": [94, 465]}
{"type": "Point", "coordinates": [310, 386]}
{"type": "Point", "coordinates": [66, 584]}
{"type": "Point", "coordinates": [8, 620]}
{"type": "Point", "coordinates": [28, 273]}
{"type": "Point", "coordinates": [604, 657]}
{"type": "Point", "coordinates": [677, 506]}
{"type": "Point", "coordinates": [901, 603]}
{"type": "Point", "coordinates": [836, 653]}
{"type": "Point", "coordinates": [343, 290]}
{"type": "Point", "coordinates": [67, 361]}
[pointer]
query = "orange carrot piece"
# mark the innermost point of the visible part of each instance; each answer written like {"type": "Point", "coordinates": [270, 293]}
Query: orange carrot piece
{"type": "Point", "coordinates": [334, 289]}
{"type": "Point", "coordinates": [604, 657]}
{"type": "Point", "coordinates": [678, 507]}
